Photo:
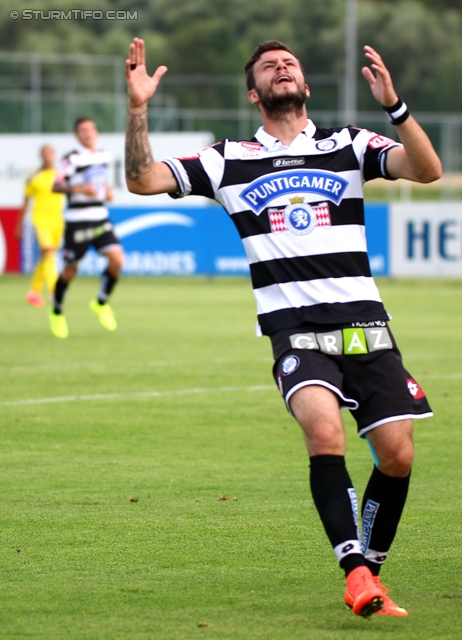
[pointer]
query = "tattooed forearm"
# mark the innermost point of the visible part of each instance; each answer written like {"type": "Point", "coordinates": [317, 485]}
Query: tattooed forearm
{"type": "Point", "coordinates": [138, 154]}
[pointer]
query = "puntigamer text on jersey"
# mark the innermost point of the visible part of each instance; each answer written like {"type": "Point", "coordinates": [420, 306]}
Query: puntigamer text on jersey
{"type": "Point", "coordinates": [325, 183]}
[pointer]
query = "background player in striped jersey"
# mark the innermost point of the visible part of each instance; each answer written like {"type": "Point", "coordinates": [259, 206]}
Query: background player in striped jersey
{"type": "Point", "coordinates": [83, 176]}
{"type": "Point", "coordinates": [295, 195]}
{"type": "Point", "coordinates": [48, 223]}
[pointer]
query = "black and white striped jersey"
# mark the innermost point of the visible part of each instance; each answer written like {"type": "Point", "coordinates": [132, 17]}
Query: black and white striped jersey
{"type": "Point", "coordinates": [299, 211]}
{"type": "Point", "coordinates": [82, 166]}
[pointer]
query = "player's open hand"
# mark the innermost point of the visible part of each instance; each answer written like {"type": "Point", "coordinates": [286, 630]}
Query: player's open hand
{"type": "Point", "coordinates": [140, 85]}
{"type": "Point", "coordinates": [380, 83]}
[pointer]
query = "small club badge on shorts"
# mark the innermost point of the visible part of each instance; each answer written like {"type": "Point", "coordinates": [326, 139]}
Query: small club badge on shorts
{"type": "Point", "coordinates": [289, 365]}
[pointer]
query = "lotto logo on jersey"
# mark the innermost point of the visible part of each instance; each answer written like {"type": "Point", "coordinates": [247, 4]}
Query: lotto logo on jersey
{"type": "Point", "coordinates": [414, 389]}
{"type": "Point", "coordinates": [377, 142]}
{"type": "Point", "coordinates": [259, 193]}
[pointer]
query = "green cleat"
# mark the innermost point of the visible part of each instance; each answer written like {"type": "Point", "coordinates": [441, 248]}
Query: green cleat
{"type": "Point", "coordinates": [105, 315]}
{"type": "Point", "coordinates": [58, 325]}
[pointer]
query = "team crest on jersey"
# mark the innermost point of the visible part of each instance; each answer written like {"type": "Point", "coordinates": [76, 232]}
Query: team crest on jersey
{"type": "Point", "coordinates": [299, 218]}
{"type": "Point", "coordinates": [259, 193]}
{"type": "Point", "coordinates": [326, 145]}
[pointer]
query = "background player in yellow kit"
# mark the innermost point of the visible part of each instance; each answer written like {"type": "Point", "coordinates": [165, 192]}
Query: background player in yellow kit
{"type": "Point", "coordinates": [47, 220]}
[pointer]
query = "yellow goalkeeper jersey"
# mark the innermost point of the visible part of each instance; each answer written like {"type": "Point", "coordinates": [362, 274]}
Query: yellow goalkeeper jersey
{"type": "Point", "coordinates": [48, 206]}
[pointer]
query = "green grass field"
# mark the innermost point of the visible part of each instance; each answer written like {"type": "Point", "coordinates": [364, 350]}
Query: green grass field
{"type": "Point", "coordinates": [117, 447]}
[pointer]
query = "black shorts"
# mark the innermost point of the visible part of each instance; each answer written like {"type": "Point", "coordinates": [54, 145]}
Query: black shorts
{"type": "Point", "coordinates": [369, 378]}
{"type": "Point", "coordinates": [80, 236]}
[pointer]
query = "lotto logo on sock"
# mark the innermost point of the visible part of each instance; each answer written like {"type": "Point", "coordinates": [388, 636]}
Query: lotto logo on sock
{"type": "Point", "coordinates": [414, 389]}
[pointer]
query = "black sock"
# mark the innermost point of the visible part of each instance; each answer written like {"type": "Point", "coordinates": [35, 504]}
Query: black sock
{"type": "Point", "coordinates": [382, 506]}
{"type": "Point", "coordinates": [336, 502]}
{"type": "Point", "coordinates": [58, 296]}
{"type": "Point", "coordinates": [108, 282]}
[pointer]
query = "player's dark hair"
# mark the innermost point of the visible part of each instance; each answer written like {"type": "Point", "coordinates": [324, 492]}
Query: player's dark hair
{"type": "Point", "coordinates": [79, 121]}
{"type": "Point", "coordinates": [263, 47]}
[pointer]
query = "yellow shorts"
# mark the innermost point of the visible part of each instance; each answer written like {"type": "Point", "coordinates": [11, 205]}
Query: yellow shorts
{"type": "Point", "coordinates": [49, 237]}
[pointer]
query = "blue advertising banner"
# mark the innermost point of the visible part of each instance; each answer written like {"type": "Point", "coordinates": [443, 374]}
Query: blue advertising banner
{"type": "Point", "coordinates": [377, 238]}
{"type": "Point", "coordinates": [184, 241]}
{"type": "Point", "coordinates": [180, 241]}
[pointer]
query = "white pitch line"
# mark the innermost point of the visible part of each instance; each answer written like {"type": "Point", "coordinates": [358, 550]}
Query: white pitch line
{"type": "Point", "coordinates": [134, 394]}
{"type": "Point", "coordinates": [30, 368]}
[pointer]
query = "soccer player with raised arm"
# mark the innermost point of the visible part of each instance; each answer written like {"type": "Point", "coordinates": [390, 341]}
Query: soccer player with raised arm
{"type": "Point", "coordinates": [295, 195]}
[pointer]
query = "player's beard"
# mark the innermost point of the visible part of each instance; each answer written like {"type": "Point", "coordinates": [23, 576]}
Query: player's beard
{"type": "Point", "coordinates": [277, 106]}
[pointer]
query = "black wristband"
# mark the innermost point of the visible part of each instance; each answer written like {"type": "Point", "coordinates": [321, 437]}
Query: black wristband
{"type": "Point", "coordinates": [398, 113]}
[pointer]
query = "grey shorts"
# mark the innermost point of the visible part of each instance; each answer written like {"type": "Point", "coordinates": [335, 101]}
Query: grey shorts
{"type": "Point", "coordinates": [367, 375]}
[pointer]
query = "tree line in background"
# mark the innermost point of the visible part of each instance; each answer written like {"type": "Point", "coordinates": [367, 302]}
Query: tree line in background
{"type": "Point", "coordinates": [420, 40]}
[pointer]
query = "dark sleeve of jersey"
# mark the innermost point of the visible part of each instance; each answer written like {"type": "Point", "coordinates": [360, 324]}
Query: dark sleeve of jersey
{"type": "Point", "coordinates": [200, 181]}
{"type": "Point", "coordinates": [375, 159]}
{"type": "Point", "coordinates": [375, 163]}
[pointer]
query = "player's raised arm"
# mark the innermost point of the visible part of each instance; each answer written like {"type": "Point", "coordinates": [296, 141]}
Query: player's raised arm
{"type": "Point", "coordinates": [417, 159]}
{"type": "Point", "coordinates": [143, 175]}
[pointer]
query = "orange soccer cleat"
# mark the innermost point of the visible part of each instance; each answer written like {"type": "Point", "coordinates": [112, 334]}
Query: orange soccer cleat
{"type": "Point", "coordinates": [390, 608]}
{"type": "Point", "coordinates": [35, 299]}
{"type": "Point", "coordinates": [363, 594]}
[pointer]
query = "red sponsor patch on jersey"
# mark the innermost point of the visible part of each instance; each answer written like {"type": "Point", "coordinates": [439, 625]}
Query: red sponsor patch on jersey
{"type": "Point", "coordinates": [322, 215]}
{"type": "Point", "coordinates": [414, 389]}
{"type": "Point", "coordinates": [377, 142]}
{"type": "Point", "coordinates": [194, 156]}
{"type": "Point", "coordinates": [250, 149]}
{"type": "Point", "coordinates": [277, 221]}
{"type": "Point", "coordinates": [255, 146]}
